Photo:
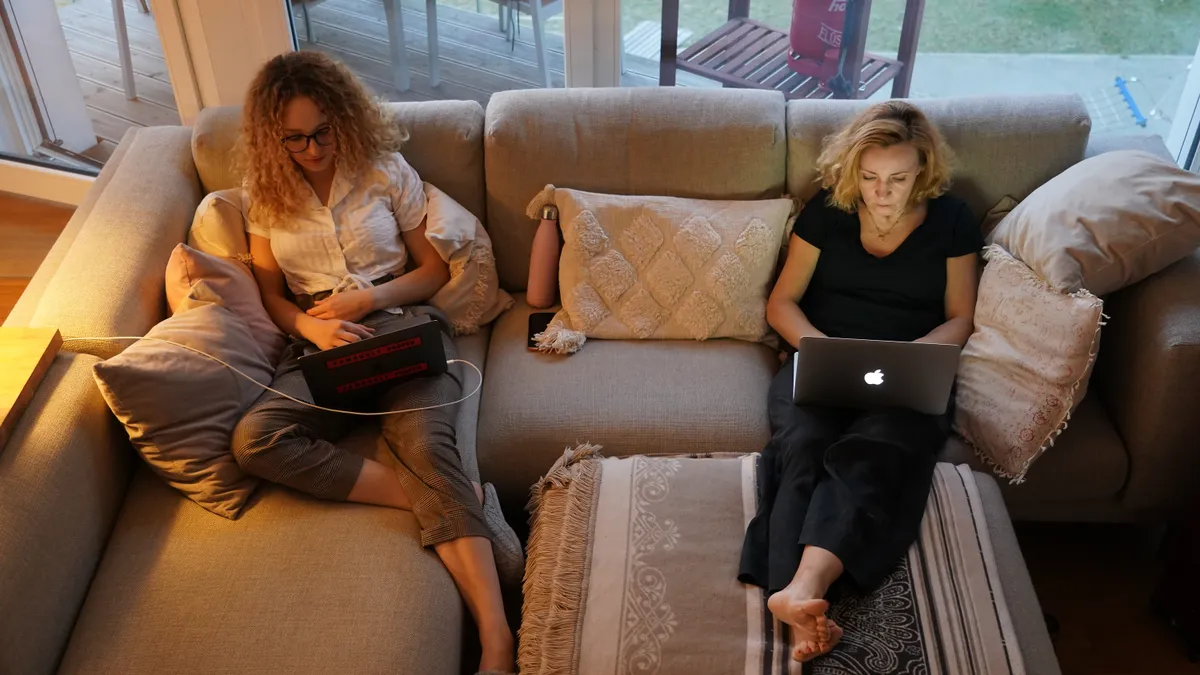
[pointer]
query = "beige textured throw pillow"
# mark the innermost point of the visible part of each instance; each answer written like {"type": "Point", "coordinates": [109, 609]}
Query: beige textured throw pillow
{"type": "Point", "coordinates": [180, 408]}
{"type": "Point", "coordinates": [473, 296]}
{"type": "Point", "coordinates": [219, 226]}
{"type": "Point", "coordinates": [637, 267]}
{"type": "Point", "coordinates": [1025, 366]}
{"type": "Point", "coordinates": [1105, 223]}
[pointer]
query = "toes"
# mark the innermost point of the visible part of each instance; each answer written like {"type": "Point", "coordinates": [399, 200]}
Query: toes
{"type": "Point", "coordinates": [804, 651]}
{"type": "Point", "coordinates": [816, 607]}
{"type": "Point", "coordinates": [822, 629]}
{"type": "Point", "coordinates": [808, 652]}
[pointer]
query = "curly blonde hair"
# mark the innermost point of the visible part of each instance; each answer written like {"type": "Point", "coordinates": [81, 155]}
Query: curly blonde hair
{"type": "Point", "coordinates": [364, 129]}
{"type": "Point", "coordinates": [884, 124]}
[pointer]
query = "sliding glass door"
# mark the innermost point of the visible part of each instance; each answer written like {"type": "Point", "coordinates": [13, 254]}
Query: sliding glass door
{"type": "Point", "coordinates": [417, 50]}
{"type": "Point", "coordinates": [75, 75]}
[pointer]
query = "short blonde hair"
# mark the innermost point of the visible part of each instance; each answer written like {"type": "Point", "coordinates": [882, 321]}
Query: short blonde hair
{"type": "Point", "coordinates": [884, 124]}
{"type": "Point", "coordinates": [365, 129]}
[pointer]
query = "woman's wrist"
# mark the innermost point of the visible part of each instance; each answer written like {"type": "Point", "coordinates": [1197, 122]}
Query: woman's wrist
{"type": "Point", "coordinates": [305, 324]}
{"type": "Point", "coordinates": [377, 300]}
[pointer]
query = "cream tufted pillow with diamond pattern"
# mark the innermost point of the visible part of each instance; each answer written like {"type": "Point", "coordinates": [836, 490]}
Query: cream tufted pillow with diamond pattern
{"type": "Point", "coordinates": [635, 267]}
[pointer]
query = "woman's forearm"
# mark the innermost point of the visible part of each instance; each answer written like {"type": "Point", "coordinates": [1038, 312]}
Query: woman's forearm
{"type": "Point", "coordinates": [413, 288]}
{"type": "Point", "coordinates": [789, 321]}
{"type": "Point", "coordinates": [286, 315]}
{"type": "Point", "coordinates": [955, 331]}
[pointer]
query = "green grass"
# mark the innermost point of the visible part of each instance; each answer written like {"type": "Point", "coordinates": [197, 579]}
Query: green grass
{"type": "Point", "coordinates": [1124, 27]}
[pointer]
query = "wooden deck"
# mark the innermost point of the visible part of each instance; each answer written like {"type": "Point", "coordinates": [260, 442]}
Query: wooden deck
{"type": "Point", "coordinates": [476, 58]}
{"type": "Point", "coordinates": [91, 39]}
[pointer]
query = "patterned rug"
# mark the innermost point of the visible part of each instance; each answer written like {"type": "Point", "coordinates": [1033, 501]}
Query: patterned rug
{"type": "Point", "coordinates": [632, 564]}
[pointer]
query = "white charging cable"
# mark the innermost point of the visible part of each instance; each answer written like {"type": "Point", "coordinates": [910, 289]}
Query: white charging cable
{"type": "Point", "coordinates": [293, 398]}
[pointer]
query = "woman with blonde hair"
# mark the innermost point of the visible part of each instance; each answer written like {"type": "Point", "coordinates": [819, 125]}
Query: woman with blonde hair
{"type": "Point", "coordinates": [337, 216]}
{"type": "Point", "coordinates": [880, 253]}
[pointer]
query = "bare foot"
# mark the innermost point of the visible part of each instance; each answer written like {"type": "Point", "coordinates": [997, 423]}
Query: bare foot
{"type": "Point", "coordinates": [498, 653]}
{"type": "Point", "coordinates": [808, 653]}
{"type": "Point", "coordinates": [806, 617]}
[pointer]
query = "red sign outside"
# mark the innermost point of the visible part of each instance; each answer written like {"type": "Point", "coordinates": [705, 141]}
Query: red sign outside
{"type": "Point", "coordinates": [816, 37]}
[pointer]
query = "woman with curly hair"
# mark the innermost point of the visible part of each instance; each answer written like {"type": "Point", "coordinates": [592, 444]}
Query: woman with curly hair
{"type": "Point", "coordinates": [336, 215]}
{"type": "Point", "coordinates": [880, 253]}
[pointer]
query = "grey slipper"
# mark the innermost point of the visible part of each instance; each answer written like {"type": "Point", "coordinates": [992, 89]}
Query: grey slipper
{"type": "Point", "coordinates": [510, 558]}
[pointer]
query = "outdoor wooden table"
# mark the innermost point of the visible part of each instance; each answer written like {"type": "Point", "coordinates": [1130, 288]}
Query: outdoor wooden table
{"type": "Point", "coordinates": [747, 54]}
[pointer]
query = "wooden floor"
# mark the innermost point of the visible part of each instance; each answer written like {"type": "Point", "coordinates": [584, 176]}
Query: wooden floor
{"type": "Point", "coordinates": [476, 59]}
{"type": "Point", "coordinates": [28, 228]}
{"type": "Point", "coordinates": [1096, 580]}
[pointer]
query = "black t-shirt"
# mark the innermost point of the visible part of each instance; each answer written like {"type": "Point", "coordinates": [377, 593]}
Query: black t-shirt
{"type": "Point", "coordinates": [901, 296]}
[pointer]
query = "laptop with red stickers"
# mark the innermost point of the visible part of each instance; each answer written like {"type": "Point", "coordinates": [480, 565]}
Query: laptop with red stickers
{"type": "Point", "coordinates": [355, 376]}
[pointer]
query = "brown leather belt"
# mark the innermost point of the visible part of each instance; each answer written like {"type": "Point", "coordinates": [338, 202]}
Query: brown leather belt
{"type": "Point", "coordinates": [306, 302]}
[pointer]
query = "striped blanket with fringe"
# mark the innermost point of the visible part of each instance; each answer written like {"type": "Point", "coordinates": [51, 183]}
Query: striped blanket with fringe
{"type": "Point", "coordinates": [632, 564]}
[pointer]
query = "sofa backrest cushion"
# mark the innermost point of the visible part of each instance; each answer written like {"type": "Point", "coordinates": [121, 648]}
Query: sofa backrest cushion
{"type": "Point", "coordinates": [1005, 146]}
{"type": "Point", "coordinates": [701, 143]}
{"type": "Point", "coordinates": [445, 147]}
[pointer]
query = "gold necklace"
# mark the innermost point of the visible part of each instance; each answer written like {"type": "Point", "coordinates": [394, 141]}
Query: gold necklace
{"type": "Point", "coordinates": [882, 234]}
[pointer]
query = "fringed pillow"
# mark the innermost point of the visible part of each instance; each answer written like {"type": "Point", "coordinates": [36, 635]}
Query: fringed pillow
{"type": "Point", "coordinates": [1025, 367]}
{"type": "Point", "coordinates": [665, 268]}
{"type": "Point", "coordinates": [472, 297]}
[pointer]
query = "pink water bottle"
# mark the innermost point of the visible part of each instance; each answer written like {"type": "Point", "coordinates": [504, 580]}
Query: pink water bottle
{"type": "Point", "coordinates": [542, 288]}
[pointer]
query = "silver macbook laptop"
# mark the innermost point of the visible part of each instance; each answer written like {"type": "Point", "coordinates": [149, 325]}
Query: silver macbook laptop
{"type": "Point", "coordinates": [874, 374]}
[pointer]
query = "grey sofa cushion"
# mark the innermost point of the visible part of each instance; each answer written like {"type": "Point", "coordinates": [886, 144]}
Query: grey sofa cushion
{"type": "Point", "coordinates": [703, 143]}
{"type": "Point", "coordinates": [446, 147]}
{"type": "Point", "coordinates": [1006, 146]}
{"type": "Point", "coordinates": [1087, 463]}
{"type": "Point", "coordinates": [471, 348]}
{"type": "Point", "coordinates": [295, 586]}
{"type": "Point", "coordinates": [640, 397]}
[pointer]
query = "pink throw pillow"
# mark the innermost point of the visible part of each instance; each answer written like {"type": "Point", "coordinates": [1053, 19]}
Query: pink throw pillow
{"type": "Point", "coordinates": [194, 277]}
{"type": "Point", "coordinates": [1025, 366]}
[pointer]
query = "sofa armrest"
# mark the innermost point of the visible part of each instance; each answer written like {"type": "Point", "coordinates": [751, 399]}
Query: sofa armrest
{"type": "Point", "coordinates": [1154, 145]}
{"type": "Point", "coordinates": [1147, 375]}
{"type": "Point", "coordinates": [27, 304]}
{"type": "Point", "coordinates": [110, 281]}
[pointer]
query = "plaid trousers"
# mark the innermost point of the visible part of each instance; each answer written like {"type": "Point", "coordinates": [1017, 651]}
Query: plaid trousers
{"type": "Point", "coordinates": [284, 442]}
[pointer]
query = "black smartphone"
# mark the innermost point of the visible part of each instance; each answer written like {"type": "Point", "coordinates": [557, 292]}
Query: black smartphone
{"type": "Point", "coordinates": [538, 321]}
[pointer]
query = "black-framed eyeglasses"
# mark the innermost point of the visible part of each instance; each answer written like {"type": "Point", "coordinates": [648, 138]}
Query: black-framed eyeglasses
{"type": "Point", "coordinates": [297, 143]}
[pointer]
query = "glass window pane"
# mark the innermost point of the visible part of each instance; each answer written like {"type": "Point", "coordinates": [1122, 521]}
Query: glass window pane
{"type": "Point", "coordinates": [1127, 60]}
{"type": "Point", "coordinates": [87, 71]}
{"type": "Point", "coordinates": [479, 47]}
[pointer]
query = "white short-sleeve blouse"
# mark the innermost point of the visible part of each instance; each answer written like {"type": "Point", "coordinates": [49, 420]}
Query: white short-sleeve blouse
{"type": "Point", "coordinates": [356, 238]}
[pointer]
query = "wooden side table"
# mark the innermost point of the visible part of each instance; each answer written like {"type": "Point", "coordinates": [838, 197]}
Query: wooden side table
{"type": "Point", "coordinates": [25, 356]}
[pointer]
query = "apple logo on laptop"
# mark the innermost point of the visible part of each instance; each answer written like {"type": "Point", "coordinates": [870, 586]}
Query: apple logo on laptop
{"type": "Point", "coordinates": [874, 378]}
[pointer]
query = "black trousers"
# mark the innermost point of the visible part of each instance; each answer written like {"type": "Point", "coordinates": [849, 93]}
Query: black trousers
{"type": "Point", "coordinates": [852, 482]}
